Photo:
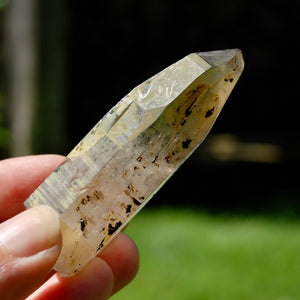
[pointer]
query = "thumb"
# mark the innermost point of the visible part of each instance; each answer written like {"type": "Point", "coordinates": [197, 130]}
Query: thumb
{"type": "Point", "coordinates": [28, 250]}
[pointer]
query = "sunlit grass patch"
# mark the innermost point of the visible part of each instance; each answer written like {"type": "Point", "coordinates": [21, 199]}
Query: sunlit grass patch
{"type": "Point", "coordinates": [189, 255]}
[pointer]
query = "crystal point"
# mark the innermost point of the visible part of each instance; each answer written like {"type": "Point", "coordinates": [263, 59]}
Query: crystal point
{"type": "Point", "coordinates": [115, 170]}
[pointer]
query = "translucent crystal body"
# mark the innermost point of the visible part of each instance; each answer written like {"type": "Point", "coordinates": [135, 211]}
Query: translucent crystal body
{"type": "Point", "coordinates": [111, 174]}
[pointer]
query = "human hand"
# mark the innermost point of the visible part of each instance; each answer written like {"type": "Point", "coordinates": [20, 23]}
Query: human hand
{"type": "Point", "coordinates": [29, 243]}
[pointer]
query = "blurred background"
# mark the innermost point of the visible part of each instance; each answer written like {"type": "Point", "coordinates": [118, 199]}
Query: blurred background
{"type": "Point", "coordinates": [64, 64]}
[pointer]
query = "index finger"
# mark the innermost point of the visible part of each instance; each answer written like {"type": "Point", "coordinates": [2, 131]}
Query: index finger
{"type": "Point", "coordinates": [19, 177]}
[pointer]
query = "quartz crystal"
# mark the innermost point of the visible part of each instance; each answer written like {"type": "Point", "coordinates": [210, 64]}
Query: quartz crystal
{"type": "Point", "coordinates": [119, 165]}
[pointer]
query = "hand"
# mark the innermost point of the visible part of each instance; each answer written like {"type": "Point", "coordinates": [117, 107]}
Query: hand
{"type": "Point", "coordinates": [29, 243]}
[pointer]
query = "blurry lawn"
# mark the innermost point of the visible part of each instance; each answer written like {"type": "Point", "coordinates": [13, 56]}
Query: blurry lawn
{"type": "Point", "coordinates": [189, 255]}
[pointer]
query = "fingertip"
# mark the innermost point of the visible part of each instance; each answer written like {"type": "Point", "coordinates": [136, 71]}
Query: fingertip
{"type": "Point", "coordinates": [123, 258]}
{"type": "Point", "coordinates": [21, 176]}
{"type": "Point", "coordinates": [94, 281]}
{"type": "Point", "coordinates": [19, 276]}
{"type": "Point", "coordinates": [30, 232]}
{"type": "Point", "coordinates": [107, 273]}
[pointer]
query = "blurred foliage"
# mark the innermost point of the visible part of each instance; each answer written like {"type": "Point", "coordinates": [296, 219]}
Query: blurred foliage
{"type": "Point", "coordinates": [51, 112]}
{"type": "Point", "coordinates": [3, 3]}
{"type": "Point", "coordinates": [4, 132]}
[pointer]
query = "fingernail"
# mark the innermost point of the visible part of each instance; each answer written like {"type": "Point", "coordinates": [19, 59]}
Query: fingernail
{"type": "Point", "coordinates": [30, 232]}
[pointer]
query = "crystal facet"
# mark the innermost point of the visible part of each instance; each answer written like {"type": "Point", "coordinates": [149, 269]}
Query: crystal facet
{"type": "Point", "coordinates": [115, 170]}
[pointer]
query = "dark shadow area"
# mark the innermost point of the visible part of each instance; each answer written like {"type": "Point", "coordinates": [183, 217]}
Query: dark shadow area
{"type": "Point", "coordinates": [239, 188]}
{"type": "Point", "coordinates": [116, 45]}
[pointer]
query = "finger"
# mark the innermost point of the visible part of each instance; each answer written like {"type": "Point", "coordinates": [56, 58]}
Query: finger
{"type": "Point", "coordinates": [95, 281]}
{"type": "Point", "coordinates": [102, 277]}
{"type": "Point", "coordinates": [28, 250]}
{"type": "Point", "coordinates": [123, 258]}
{"type": "Point", "coordinates": [19, 177]}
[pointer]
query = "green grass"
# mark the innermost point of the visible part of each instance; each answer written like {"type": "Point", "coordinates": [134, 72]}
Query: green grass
{"type": "Point", "coordinates": [189, 255]}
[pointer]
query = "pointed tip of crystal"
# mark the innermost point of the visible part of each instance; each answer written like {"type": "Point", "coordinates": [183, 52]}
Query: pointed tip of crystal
{"type": "Point", "coordinates": [216, 58]}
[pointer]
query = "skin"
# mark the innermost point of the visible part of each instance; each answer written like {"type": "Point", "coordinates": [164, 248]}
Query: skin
{"type": "Point", "coordinates": [26, 269]}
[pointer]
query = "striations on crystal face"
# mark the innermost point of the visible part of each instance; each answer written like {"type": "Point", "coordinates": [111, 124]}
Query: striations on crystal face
{"type": "Point", "coordinates": [115, 170]}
